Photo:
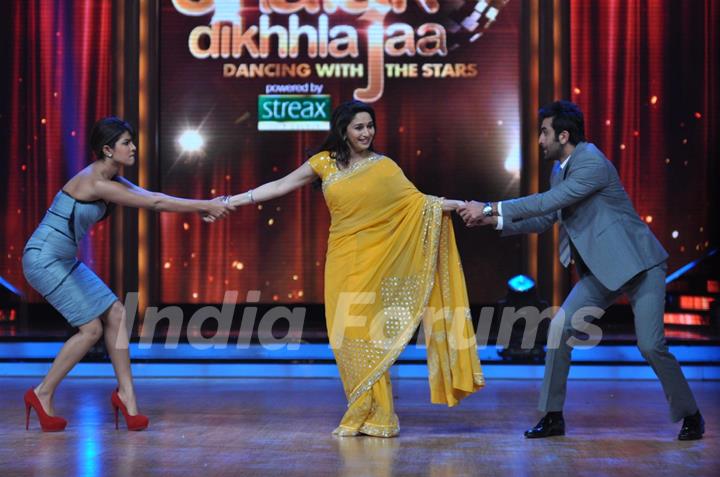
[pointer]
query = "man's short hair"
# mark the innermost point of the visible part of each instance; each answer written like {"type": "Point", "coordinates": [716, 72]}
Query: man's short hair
{"type": "Point", "coordinates": [566, 116]}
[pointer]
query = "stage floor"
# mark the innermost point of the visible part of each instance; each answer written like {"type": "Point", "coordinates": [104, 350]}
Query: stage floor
{"type": "Point", "coordinates": [283, 427]}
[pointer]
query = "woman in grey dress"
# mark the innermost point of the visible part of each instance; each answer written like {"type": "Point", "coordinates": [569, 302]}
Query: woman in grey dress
{"type": "Point", "coordinates": [51, 267]}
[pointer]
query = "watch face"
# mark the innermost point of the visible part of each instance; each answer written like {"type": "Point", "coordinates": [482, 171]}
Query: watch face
{"type": "Point", "coordinates": [487, 211]}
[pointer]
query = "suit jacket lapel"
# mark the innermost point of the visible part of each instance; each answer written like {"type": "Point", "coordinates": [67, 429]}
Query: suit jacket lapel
{"type": "Point", "coordinates": [578, 148]}
{"type": "Point", "coordinates": [556, 175]}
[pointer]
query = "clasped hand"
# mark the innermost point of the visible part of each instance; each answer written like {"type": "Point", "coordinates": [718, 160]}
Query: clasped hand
{"type": "Point", "coordinates": [472, 214]}
{"type": "Point", "coordinates": [217, 208]}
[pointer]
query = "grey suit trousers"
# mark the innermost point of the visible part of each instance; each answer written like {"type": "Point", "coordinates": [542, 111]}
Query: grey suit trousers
{"type": "Point", "coordinates": [646, 293]}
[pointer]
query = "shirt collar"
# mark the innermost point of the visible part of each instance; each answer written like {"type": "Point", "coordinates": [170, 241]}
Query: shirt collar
{"type": "Point", "coordinates": [564, 163]}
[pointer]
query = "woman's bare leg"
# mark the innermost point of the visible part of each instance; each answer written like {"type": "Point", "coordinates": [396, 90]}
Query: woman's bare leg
{"type": "Point", "coordinates": [116, 342]}
{"type": "Point", "coordinates": [70, 354]}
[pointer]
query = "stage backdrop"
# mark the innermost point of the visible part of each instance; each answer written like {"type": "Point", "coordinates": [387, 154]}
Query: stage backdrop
{"type": "Point", "coordinates": [644, 72]}
{"type": "Point", "coordinates": [646, 76]}
{"type": "Point", "coordinates": [56, 80]}
{"type": "Point", "coordinates": [442, 76]}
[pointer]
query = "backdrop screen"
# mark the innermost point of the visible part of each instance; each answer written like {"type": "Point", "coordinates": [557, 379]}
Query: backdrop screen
{"type": "Point", "coordinates": [256, 81]}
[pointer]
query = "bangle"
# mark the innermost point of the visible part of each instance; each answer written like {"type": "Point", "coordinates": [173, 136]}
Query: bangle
{"type": "Point", "coordinates": [250, 196]}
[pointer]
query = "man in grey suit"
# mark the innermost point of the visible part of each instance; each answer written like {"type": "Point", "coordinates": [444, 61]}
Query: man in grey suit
{"type": "Point", "coordinates": [614, 252]}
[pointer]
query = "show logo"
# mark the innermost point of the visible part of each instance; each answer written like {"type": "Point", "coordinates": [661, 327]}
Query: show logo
{"type": "Point", "coordinates": [369, 39]}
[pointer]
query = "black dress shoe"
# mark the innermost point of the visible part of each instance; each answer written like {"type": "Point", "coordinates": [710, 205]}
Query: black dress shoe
{"type": "Point", "coordinates": [693, 428]}
{"type": "Point", "coordinates": [550, 425]}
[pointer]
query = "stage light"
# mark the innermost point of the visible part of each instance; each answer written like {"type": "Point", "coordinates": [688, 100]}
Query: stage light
{"type": "Point", "coordinates": [697, 303]}
{"type": "Point", "coordinates": [521, 283]}
{"type": "Point", "coordinates": [522, 294]}
{"type": "Point", "coordinates": [713, 286]}
{"type": "Point", "coordinates": [512, 161]}
{"type": "Point", "coordinates": [7, 285]}
{"type": "Point", "coordinates": [686, 319]}
{"type": "Point", "coordinates": [191, 141]}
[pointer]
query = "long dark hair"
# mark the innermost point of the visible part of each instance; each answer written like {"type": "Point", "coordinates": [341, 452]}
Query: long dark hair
{"type": "Point", "coordinates": [336, 142]}
{"type": "Point", "coordinates": [106, 132]}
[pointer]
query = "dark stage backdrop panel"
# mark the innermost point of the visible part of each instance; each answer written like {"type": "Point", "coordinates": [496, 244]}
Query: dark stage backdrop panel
{"type": "Point", "coordinates": [455, 134]}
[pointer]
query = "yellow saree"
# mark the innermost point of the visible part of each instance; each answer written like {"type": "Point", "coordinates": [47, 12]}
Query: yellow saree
{"type": "Point", "coordinates": [392, 263]}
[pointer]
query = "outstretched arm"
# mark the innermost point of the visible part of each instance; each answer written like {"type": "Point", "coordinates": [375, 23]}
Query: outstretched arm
{"type": "Point", "coordinates": [533, 225]}
{"type": "Point", "coordinates": [451, 205]}
{"type": "Point", "coordinates": [123, 192]}
{"type": "Point", "coordinates": [299, 177]}
{"type": "Point", "coordinates": [472, 214]}
{"type": "Point", "coordinates": [585, 178]}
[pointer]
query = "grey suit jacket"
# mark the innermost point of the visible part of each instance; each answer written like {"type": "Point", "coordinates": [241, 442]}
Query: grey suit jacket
{"type": "Point", "coordinates": [597, 214]}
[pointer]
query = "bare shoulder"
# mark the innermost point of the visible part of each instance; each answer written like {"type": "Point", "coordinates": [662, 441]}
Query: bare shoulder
{"type": "Point", "coordinates": [82, 185]}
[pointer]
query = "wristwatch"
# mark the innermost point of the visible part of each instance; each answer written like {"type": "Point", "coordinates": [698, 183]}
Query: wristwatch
{"type": "Point", "coordinates": [488, 210]}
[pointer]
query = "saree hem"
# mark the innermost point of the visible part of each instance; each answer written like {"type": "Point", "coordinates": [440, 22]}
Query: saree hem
{"type": "Point", "coordinates": [345, 431]}
{"type": "Point", "coordinates": [377, 430]}
{"type": "Point", "coordinates": [435, 204]}
{"type": "Point", "coordinates": [367, 429]}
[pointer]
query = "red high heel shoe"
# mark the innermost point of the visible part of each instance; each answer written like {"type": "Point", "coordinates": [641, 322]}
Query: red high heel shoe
{"type": "Point", "coordinates": [137, 422]}
{"type": "Point", "coordinates": [47, 423]}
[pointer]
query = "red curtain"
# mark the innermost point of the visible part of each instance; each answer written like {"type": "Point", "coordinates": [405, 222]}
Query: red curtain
{"type": "Point", "coordinates": [60, 82]}
{"type": "Point", "coordinates": [645, 74]}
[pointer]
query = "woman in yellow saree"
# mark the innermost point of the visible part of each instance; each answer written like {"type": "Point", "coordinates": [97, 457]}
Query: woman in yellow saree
{"type": "Point", "coordinates": [392, 264]}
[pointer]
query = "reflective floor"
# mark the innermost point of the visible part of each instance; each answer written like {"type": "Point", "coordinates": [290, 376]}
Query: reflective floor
{"type": "Point", "coordinates": [283, 427]}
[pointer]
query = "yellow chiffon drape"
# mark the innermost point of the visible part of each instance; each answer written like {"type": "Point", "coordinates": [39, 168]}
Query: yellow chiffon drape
{"type": "Point", "coordinates": [392, 263]}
